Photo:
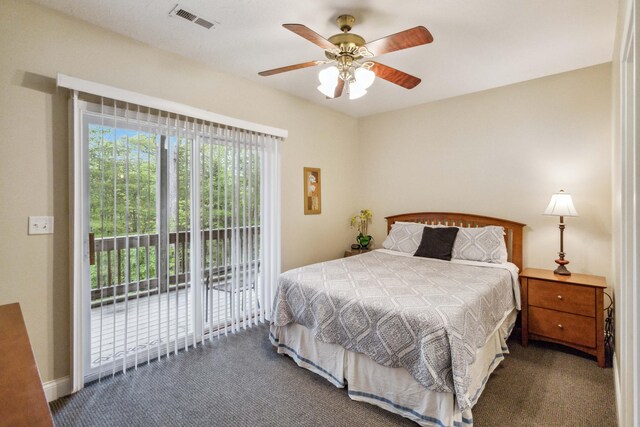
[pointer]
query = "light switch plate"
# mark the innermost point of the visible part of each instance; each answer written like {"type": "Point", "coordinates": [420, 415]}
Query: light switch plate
{"type": "Point", "coordinates": [40, 225]}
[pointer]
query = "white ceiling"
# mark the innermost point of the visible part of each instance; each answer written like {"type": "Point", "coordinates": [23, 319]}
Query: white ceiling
{"type": "Point", "coordinates": [477, 45]}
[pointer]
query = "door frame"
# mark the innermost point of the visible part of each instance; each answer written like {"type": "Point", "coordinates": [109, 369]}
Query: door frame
{"type": "Point", "coordinates": [627, 238]}
{"type": "Point", "coordinates": [78, 177]}
{"type": "Point", "coordinates": [79, 226]}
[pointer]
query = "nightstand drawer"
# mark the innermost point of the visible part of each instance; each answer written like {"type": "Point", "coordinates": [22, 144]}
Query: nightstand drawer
{"type": "Point", "coordinates": [567, 327]}
{"type": "Point", "coordinates": [562, 297]}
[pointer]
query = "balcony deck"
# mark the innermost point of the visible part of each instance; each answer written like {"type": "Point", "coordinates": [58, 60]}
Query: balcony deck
{"type": "Point", "coordinates": [157, 318]}
{"type": "Point", "coordinates": [151, 323]}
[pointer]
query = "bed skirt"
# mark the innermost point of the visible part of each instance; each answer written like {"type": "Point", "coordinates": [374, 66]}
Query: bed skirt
{"type": "Point", "coordinates": [393, 389]}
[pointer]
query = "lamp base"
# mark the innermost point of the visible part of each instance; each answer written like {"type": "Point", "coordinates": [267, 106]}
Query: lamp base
{"type": "Point", "coordinates": [562, 270]}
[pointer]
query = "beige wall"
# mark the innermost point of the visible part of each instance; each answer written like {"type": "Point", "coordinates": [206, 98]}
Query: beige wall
{"type": "Point", "coordinates": [502, 153]}
{"type": "Point", "coordinates": [35, 44]}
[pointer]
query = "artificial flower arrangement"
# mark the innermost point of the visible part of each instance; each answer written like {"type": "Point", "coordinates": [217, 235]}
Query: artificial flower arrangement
{"type": "Point", "coordinates": [361, 223]}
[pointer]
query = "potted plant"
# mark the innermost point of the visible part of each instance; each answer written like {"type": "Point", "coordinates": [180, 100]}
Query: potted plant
{"type": "Point", "coordinates": [361, 223]}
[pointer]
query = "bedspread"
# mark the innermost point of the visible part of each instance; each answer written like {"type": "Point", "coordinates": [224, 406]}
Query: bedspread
{"type": "Point", "coordinates": [428, 316]}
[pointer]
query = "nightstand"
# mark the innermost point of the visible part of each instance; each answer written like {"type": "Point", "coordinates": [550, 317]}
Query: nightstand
{"type": "Point", "coordinates": [352, 252]}
{"type": "Point", "coordinates": [567, 310]}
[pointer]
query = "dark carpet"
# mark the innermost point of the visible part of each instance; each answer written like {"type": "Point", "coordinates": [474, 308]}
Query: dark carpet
{"type": "Point", "coordinates": [241, 381]}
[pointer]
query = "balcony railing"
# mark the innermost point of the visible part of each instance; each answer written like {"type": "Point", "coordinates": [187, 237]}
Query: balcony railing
{"type": "Point", "coordinates": [116, 276]}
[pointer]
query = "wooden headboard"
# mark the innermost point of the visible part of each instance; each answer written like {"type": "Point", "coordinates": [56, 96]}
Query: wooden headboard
{"type": "Point", "coordinates": [512, 229]}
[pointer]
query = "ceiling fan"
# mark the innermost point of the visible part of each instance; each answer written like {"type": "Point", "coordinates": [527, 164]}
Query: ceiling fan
{"type": "Point", "coordinates": [350, 57]}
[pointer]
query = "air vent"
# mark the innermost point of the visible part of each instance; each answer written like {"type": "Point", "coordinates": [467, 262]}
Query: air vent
{"type": "Point", "coordinates": [186, 15]}
{"type": "Point", "coordinates": [192, 17]}
{"type": "Point", "coordinates": [204, 23]}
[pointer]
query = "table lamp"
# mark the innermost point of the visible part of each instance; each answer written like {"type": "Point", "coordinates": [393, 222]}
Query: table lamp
{"type": "Point", "coordinates": [561, 205]}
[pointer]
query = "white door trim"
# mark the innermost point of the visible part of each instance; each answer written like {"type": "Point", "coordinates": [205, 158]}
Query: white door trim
{"type": "Point", "coordinates": [79, 229]}
{"type": "Point", "coordinates": [628, 236]}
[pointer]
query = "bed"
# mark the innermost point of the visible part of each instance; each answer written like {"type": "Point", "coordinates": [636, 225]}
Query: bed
{"type": "Point", "coordinates": [416, 336]}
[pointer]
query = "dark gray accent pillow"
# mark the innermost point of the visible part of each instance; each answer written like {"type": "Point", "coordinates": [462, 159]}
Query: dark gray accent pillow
{"type": "Point", "coordinates": [437, 242]}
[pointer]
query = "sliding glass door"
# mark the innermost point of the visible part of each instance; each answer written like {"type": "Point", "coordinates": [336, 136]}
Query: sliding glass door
{"type": "Point", "coordinates": [140, 301]}
{"type": "Point", "coordinates": [176, 243]}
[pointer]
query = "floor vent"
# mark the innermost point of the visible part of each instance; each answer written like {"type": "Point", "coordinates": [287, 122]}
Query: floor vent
{"type": "Point", "coordinates": [192, 17]}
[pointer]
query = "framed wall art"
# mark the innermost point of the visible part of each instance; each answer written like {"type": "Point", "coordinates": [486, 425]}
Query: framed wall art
{"type": "Point", "coordinates": [312, 191]}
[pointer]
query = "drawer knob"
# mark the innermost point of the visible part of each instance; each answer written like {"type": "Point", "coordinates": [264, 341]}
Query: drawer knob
{"type": "Point", "coordinates": [559, 296]}
{"type": "Point", "coordinates": [560, 325]}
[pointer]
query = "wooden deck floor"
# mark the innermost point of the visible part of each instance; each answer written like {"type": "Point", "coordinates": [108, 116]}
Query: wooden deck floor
{"type": "Point", "coordinates": [151, 322]}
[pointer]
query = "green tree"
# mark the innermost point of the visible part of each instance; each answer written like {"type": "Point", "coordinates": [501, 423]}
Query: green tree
{"type": "Point", "coordinates": [123, 189]}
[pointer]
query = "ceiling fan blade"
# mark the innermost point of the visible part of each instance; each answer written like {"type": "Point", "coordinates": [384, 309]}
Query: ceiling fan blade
{"type": "Point", "coordinates": [395, 76]}
{"type": "Point", "coordinates": [403, 40]}
{"type": "Point", "coordinates": [290, 68]}
{"type": "Point", "coordinates": [310, 35]}
{"type": "Point", "coordinates": [338, 92]}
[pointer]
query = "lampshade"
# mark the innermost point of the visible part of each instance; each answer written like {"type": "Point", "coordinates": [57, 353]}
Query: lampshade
{"type": "Point", "coordinates": [328, 81]}
{"type": "Point", "coordinates": [328, 76]}
{"type": "Point", "coordinates": [561, 205]}
{"type": "Point", "coordinates": [328, 90]}
{"type": "Point", "coordinates": [359, 80]}
{"type": "Point", "coordinates": [364, 77]}
{"type": "Point", "coordinates": [356, 91]}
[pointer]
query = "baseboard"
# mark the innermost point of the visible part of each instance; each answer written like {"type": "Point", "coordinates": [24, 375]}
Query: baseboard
{"type": "Point", "coordinates": [56, 389]}
{"type": "Point", "coordinates": [616, 383]}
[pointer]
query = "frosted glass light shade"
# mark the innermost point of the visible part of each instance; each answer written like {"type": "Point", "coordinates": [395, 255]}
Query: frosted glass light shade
{"type": "Point", "coordinates": [356, 91]}
{"type": "Point", "coordinates": [328, 81]}
{"type": "Point", "coordinates": [328, 90]}
{"type": "Point", "coordinates": [364, 77]}
{"type": "Point", "coordinates": [561, 204]}
{"type": "Point", "coordinates": [329, 76]}
{"type": "Point", "coordinates": [361, 79]}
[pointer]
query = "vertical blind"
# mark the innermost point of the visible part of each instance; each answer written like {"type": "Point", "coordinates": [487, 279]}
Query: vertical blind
{"type": "Point", "coordinates": [185, 225]}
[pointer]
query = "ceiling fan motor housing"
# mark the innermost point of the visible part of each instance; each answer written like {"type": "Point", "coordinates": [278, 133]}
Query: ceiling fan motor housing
{"type": "Point", "coordinates": [347, 42]}
{"type": "Point", "coordinates": [345, 22]}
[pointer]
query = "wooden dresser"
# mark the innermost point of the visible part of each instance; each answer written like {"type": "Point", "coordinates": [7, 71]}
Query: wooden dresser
{"type": "Point", "coordinates": [564, 309]}
{"type": "Point", "coordinates": [22, 399]}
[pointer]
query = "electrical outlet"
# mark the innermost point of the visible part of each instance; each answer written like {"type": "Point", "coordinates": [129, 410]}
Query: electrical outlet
{"type": "Point", "coordinates": [40, 225]}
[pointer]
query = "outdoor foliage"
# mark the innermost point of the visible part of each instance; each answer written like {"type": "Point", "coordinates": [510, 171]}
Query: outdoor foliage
{"type": "Point", "coordinates": [125, 198]}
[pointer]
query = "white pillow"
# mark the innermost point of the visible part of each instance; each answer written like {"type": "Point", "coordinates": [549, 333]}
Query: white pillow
{"type": "Point", "coordinates": [484, 244]}
{"type": "Point", "coordinates": [404, 237]}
